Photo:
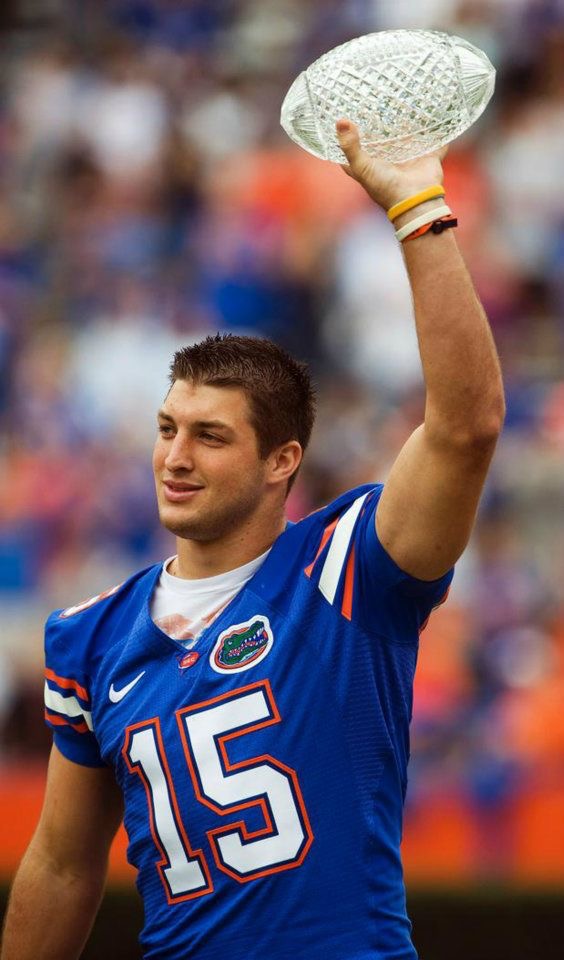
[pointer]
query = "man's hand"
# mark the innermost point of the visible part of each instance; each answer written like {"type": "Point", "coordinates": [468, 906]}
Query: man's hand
{"type": "Point", "coordinates": [387, 183]}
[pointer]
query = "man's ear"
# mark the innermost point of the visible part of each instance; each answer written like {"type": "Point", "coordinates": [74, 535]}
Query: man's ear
{"type": "Point", "coordinates": [283, 462]}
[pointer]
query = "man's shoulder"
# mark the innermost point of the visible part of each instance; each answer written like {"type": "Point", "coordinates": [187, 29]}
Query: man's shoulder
{"type": "Point", "coordinates": [361, 495]}
{"type": "Point", "coordinates": [312, 532]}
{"type": "Point", "coordinates": [84, 620]}
{"type": "Point", "coordinates": [315, 546]}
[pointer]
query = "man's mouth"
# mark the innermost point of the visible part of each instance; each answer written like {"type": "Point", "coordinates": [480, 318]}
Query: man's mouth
{"type": "Point", "coordinates": [176, 492]}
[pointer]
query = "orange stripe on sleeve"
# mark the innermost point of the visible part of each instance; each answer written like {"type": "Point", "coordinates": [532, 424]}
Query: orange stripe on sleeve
{"type": "Point", "coordinates": [326, 534]}
{"type": "Point", "coordinates": [58, 721]}
{"type": "Point", "coordinates": [67, 684]}
{"type": "Point", "coordinates": [346, 608]}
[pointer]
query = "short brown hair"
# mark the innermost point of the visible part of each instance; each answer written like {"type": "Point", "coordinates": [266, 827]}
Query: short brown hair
{"type": "Point", "coordinates": [278, 387]}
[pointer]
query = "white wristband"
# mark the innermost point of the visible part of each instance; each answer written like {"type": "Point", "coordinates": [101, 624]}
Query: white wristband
{"type": "Point", "coordinates": [421, 221]}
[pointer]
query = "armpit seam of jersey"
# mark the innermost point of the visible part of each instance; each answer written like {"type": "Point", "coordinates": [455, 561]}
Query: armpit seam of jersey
{"type": "Point", "coordinates": [360, 626]}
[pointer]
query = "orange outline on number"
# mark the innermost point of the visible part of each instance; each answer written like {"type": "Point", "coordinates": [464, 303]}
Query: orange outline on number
{"type": "Point", "coordinates": [165, 861]}
{"type": "Point", "coordinates": [229, 767]}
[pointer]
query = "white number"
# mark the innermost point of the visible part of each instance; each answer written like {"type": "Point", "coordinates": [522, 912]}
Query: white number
{"type": "Point", "coordinates": [181, 869]}
{"type": "Point", "coordinates": [226, 788]}
{"type": "Point", "coordinates": [230, 787]}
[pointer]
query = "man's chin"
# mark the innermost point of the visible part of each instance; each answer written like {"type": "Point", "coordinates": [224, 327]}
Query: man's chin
{"type": "Point", "coordinates": [186, 529]}
{"type": "Point", "coordinates": [205, 523]}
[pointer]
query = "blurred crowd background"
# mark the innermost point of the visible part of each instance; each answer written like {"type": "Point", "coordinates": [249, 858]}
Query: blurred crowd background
{"type": "Point", "coordinates": [148, 196]}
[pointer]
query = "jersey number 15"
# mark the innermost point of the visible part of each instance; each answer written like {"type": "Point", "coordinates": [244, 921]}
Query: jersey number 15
{"type": "Point", "coordinates": [224, 787]}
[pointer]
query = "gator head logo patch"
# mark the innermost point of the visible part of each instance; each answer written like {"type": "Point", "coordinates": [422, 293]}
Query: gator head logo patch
{"type": "Point", "coordinates": [242, 646]}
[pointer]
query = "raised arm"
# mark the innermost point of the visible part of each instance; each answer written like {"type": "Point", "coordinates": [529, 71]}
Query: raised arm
{"type": "Point", "coordinates": [59, 884]}
{"type": "Point", "coordinates": [429, 502]}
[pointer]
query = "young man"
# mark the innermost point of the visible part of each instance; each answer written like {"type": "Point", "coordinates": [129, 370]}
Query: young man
{"type": "Point", "coordinates": [247, 704]}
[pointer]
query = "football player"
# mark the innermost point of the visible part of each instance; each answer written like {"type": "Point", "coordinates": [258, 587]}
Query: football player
{"type": "Point", "coordinates": [245, 705]}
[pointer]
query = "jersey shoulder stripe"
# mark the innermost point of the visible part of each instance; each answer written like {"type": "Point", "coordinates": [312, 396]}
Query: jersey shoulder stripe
{"type": "Point", "coordinates": [333, 567]}
{"type": "Point", "coordinates": [337, 553]}
{"type": "Point", "coordinates": [355, 574]}
{"type": "Point", "coordinates": [327, 534]}
{"type": "Point", "coordinates": [91, 610]}
{"type": "Point", "coordinates": [348, 591]}
{"type": "Point", "coordinates": [86, 604]}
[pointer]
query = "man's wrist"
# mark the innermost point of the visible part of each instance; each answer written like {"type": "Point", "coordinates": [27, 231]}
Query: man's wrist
{"type": "Point", "coordinates": [427, 205]}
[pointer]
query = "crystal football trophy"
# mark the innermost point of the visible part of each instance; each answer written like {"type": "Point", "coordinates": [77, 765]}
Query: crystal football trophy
{"type": "Point", "coordinates": [408, 91]}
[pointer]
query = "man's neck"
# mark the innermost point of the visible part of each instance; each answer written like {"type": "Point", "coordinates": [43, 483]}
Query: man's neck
{"type": "Point", "coordinates": [197, 559]}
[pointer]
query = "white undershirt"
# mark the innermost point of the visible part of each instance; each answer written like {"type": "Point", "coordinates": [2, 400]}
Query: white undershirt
{"type": "Point", "coordinates": [183, 608]}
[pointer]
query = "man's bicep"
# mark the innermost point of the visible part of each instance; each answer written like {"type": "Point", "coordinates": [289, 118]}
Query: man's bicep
{"type": "Point", "coordinates": [81, 813]}
{"type": "Point", "coordinates": [429, 502]}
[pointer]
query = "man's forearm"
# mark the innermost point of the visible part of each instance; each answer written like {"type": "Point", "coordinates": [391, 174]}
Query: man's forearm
{"type": "Point", "coordinates": [50, 913]}
{"type": "Point", "coordinates": [460, 364]}
{"type": "Point", "coordinates": [464, 394]}
{"type": "Point", "coordinates": [428, 506]}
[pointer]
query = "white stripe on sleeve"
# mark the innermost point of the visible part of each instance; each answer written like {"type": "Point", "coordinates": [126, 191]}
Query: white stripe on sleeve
{"type": "Point", "coordinates": [337, 553]}
{"type": "Point", "coordinates": [68, 706]}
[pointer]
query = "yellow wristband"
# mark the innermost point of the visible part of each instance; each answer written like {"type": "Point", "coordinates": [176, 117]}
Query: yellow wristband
{"type": "Point", "coordinates": [404, 205]}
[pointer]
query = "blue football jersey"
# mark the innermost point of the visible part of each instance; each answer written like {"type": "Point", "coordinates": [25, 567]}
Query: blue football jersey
{"type": "Point", "coordinates": [263, 771]}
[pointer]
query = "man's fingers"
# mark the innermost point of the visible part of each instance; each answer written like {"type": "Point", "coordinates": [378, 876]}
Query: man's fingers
{"type": "Point", "coordinates": [384, 181]}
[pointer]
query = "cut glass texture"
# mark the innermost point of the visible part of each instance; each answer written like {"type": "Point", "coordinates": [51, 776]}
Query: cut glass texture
{"type": "Point", "coordinates": [408, 91]}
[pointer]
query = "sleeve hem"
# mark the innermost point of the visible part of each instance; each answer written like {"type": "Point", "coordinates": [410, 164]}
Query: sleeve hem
{"type": "Point", "coordinates": [75, 752]}
{"type": "Point", "coordinates": [405, 582]}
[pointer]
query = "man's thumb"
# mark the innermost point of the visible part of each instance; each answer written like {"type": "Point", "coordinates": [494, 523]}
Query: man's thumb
{"type": "Point", "coordinates": [349, 142]}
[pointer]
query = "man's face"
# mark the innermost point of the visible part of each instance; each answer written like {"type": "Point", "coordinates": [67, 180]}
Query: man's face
{"type": "Point", "coordinates": [208, 472]}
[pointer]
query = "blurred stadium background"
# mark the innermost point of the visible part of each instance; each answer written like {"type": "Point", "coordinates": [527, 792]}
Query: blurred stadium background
{"type": "Point", "coordinates": [148, 196]}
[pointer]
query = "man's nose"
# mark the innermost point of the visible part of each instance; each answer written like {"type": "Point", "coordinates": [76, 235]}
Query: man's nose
{"type": "Point", "coordinates": [179, 456]}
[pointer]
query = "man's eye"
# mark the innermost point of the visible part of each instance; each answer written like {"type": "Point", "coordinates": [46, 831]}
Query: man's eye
{"type": "Point", "coordinates": [211, 437]}
{"type": "Point", "coordinates": [165, 430]}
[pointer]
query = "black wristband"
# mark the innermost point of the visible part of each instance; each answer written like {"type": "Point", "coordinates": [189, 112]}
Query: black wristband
{"type": "Point", "coordinates": [439, 225]}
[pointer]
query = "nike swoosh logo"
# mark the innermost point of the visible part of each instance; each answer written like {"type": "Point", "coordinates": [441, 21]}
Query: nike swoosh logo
{"type": "Point", "coordinates": [117, 695]}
